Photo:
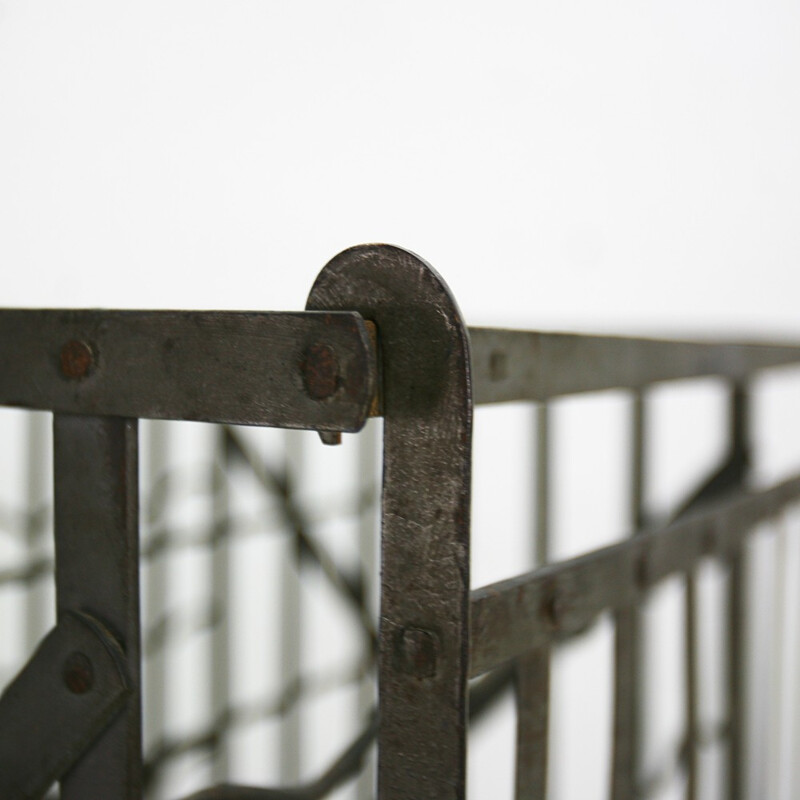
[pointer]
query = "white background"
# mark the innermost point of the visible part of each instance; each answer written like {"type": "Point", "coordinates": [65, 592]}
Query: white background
{"type": "Point", "coordinates": [575, 164]}
{"type": "Point", "coordinates": [611, 165]}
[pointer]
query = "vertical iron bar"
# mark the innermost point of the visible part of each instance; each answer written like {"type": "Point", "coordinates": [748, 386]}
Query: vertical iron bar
{"type": "Point", "coordinates": [425, 543]}
{"type": "Point", "coordinates": [97, 572]}
{"type": "Point", "coordinates": [533, 701]}
{"type": "Point", "coordinates": [737, 698]}
{"type": "Point", "coordinates": [221, 635]}
{"type": "Point", "coordinates": [532, 671]}
{"type": "Point", "coordinates": [736, 676]}
{"type": "Point", "coordinates": [793, 749]}
{"type": "Point", "coordinates": [291, 618]}
{"type": "Point", "coordinates": [542, 497]}
{"type": "Point", "coordinates": [691, 667]}
{"type": "Point", "coordinates": [628, 654]}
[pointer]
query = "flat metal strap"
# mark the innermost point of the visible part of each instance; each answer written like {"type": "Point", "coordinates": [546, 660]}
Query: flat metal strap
{"type": "Point", "coordinates": [68, 692]}
{"type": "Point", "coordinates": [532, 673]}
{"type": "Point", "coordinates": [511, 365]}
{"type": "Point", "coordinates": [297, 370]}
{"type": "Point", "coordinates": [97, 572]}
{"type": "Point", "coordinates": [512, 616]}
{"type": "Point", "coordinates": [427, 404]}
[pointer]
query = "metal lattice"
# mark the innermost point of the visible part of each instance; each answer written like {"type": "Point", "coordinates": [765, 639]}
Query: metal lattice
{"type": "Point", "coordinates": [382, 337]}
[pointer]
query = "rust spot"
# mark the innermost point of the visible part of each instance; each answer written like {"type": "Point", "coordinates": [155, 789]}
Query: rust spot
{"type": "Point", "coordinates": [562, 610]}
{"type": "Point", "coordinates": [320, 369]}
{"type": "Point", "coordinates": [554, 609]}
{"type": "Point", "coordinates": [331, 437]}
{"type": "Point", "coordinates": [77, 360]}
{"type": "Point", "coordinates": [419, 652]}
{"type": "Point", "coordinates": [375, 408]}
{"type": "Point", "coordinates": [78, 673]}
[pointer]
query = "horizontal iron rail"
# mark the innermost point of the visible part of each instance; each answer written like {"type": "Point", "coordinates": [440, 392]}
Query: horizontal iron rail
{"type": "Point", "coordinates": [310, 370]}
{"type": "Point", "coordinates": [512, 617]}
{"type": "Point", "coordinates": [511, 365]}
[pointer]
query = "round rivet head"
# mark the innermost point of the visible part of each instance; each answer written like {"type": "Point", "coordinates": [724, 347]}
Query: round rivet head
{"type": "Point", "coordinates": [320, 369]}
{"type": "Point", "coordinates": [419, 652]}
{"type": "Point", "coordinates": [78, 673]}
{"type": "Point", "coordinates": [77, 360]}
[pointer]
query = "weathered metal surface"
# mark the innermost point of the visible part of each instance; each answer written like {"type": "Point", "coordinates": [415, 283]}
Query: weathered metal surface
{"type": "Point", "coordinates": [525, 365]}
{"type": "Point", "coordinates": [533, 715]}
{"type": "Point", "coordinates": [737, 680]}
{"type": "Point", "coordinates": [427, 406]}
{"type": "Point", "coordinates": [628, 656]}
{"type": "Point", "coordinates": [97, 573]}
{"type": "Point", "coordinates": [320, 370]}
{"type": "Point", "coordinates": [222, 579]}
{"type": "Point", "coordinates": [507, 617]}
{"type": "Point", "coordinates": [280, 369]}
{"type": "Point", "coordinates": [624, 761]}
{"type": "Point", "coordinates": [732, 478]}
{"type": "Point", "coordinates": [64, 697]}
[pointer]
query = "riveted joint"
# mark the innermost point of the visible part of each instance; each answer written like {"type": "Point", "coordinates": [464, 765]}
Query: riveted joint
{"type": "Point", "coordinates": [418, 652]}
{"type": "Point", "coordinates": [77, 360]}
{"type": "Point", "coordinates": [78, 673]}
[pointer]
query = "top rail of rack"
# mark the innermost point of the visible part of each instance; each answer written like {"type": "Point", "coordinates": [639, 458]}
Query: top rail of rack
{"type": "Point", "coordinates": [511, 365]}
{"type": "Point", "coordinates": [315, 370]}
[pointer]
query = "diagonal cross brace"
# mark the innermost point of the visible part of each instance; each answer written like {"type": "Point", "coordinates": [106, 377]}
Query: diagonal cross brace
{"type": "Point", "coordinates": [67, 693]}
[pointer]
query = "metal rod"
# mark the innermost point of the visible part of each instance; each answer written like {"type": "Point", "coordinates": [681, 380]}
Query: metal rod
{"type": "Point", "coordinates": [513, 365]}
{"type": "Point", "coordinates": [736, 676]}
{"type": "Point", "coordinates": [222, 653]}
{"type": "Point", "coordinates": [627, 640]}
{"type": "Point", "coordinates": [507, 617]}
{"type": "Point", "coordinates": [427, 404]}
{"type": "Point", "coordinates": [532, 670]}
{"type": "Point", "coordinates": [533, 712]}
{"type": "Point", "coordinates": [287, 370]}
{"type": "Point", "coordinates": [691, 668]}
{"type": "Point", "coordinates": [97, 572]}
{"type": "Point", "coordinates": [737, 612]}
{"type": "Point", "coordinates": [57, 706]}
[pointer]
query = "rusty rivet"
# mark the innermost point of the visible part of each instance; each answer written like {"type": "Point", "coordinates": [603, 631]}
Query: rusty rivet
{"type": "Point", "coordinates": [77, 359]}
{"type": "Point", "coordinates": [562, 609]}
{"type": "Point", "coordinates": [420, 651]}
{"type": "Point", "coordinates": [78, 673]}
{"type": "Point", "coordinates": [320, 372]}
{"type": "Point", "coordinates": [554, 609]}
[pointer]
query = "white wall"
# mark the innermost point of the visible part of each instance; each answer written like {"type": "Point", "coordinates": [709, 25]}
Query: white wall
{"type": "Point", "coordinates": [612, 164]}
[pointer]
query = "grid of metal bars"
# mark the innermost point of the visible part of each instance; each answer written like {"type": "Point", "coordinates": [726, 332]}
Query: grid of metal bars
{"type": "Point", "coordinates": [382, 337]}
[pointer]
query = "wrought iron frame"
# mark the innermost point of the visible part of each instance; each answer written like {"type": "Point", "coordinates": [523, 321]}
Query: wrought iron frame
{"type": "Point", "coordinates": [381, 336]}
